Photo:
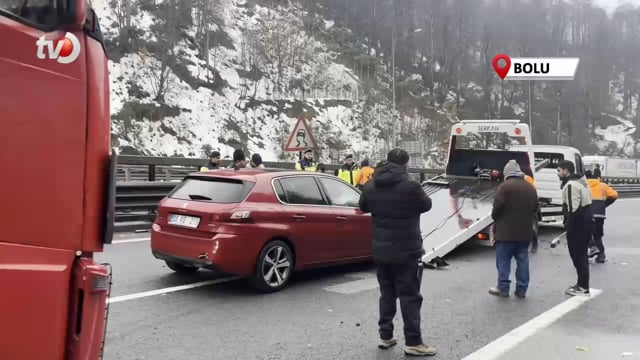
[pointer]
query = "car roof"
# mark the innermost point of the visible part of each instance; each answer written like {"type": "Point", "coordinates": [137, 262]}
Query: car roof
{"type": "Point", "coordinates": [249, 174]}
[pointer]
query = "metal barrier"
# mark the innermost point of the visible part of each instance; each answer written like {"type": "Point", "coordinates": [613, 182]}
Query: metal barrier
{"type": "Point", "coordinates": [627, 190]}
{"type": "Point", "coordinates": [136, 202]}
{"type": "Point", "coordinates": [149, 168]}
{"type": "Point", "coordinates": [137, 192]}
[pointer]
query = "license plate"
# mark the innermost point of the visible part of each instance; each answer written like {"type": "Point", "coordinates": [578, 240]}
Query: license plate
{"type": "Point", "coordinates": [184, 220]}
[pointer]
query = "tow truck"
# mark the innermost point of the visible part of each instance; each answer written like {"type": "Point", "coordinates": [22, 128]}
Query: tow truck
{"type": "Point", "coordinates": [463, 196]}
{"type": "Point", "coordinates": [57, 183]}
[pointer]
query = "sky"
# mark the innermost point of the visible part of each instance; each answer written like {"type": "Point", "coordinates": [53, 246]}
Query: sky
{"type": "Point", "coordinates": [610, 5]}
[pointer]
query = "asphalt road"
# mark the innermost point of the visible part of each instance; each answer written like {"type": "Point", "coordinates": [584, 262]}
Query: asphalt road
{"type": "Point", "coordinates": [332, 313]}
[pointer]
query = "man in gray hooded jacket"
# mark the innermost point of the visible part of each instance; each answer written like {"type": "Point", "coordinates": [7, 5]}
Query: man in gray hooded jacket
{"type": "Point", "coordinates": [578, 221]}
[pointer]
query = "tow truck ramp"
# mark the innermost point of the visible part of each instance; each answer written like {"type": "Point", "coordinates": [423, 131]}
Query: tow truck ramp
{"type": "Point", "coordinates": [461, 209]}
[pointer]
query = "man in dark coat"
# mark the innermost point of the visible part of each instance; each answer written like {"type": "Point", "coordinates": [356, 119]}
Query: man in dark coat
{"type": "Point", "coordinates": [396, 203]}
{"type": "Point", "coordinates": [514, 211]}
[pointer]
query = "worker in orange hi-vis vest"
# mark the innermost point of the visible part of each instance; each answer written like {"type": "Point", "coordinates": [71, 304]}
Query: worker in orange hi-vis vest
{"type": "Point", "coordinates": [365, 174]}
{"type": "Point", "coordinates": [602, 195]}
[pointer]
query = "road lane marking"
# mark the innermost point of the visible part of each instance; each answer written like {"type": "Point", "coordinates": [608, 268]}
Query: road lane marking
{"type": "Point", "coordinates": [367, 281]}
{"type": "Point", "coordinates": [125, 241]}
{"type": "Point", "coordinates": [508, 341]}
{"type": "Point", "coordinates": [144, 294]}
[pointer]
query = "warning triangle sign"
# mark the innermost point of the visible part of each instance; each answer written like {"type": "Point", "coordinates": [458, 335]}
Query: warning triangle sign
{"type": "Point", "coordinates": [301, 137]}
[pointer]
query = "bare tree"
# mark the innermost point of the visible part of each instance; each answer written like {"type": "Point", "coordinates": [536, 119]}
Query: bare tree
{"type": "Point", "coordinates": [158, 75]}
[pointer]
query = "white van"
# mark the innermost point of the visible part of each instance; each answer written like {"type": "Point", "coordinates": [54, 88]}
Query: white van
{"type": "Point", "coordinates": [547, 182]}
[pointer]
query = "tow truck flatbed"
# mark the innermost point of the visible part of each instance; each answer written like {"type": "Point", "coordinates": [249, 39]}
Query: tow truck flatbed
{"type": "Point", "coordinates": [462, 202]}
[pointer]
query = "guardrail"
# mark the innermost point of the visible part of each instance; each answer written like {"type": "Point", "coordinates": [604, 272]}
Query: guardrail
{"type": "Point", "coordinates": [136, 202]}
{"type": "Point", "coordinates": [144, 180]}
{"type": "Point", "coordinates": [150, 168]}
{"type": "Point", "coordinates": [627, 190]}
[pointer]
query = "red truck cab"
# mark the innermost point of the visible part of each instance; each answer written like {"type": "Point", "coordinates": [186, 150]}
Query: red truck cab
{"type": "Point", "coordinates": [57, 180]}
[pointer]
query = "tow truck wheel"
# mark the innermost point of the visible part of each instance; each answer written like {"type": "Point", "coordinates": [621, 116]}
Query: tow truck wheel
{"type": "Point", "coordinates": [181, 268]}
{"type": "Point", "coordinates": [273, 268]}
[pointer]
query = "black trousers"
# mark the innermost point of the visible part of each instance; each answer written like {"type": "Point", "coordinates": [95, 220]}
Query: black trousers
{"type": "Point", "coordinates": [578, 238]}
{"type": "Point", "coordinates": [401, 281]}
{"type": "Point", "coordinates": [598, 233]}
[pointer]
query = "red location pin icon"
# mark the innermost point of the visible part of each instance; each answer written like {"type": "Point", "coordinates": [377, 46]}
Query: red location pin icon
{"type": "Point", "coordinates": [501, 71]}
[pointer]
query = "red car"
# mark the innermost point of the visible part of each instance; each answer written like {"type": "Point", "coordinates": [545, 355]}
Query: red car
{"type": "Point", "coordinates": [260, 224]}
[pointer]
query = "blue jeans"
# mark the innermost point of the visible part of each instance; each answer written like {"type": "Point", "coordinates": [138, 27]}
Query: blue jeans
{"type": "Point", "coordinates": [504, 252]}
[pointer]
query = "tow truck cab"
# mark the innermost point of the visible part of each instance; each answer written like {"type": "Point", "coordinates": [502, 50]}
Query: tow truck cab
{"type": "Point", "coordinates": [481, 149]}
{"type": "Point", "coordinates": [57, 183]}
{"type": "Point", "coordinates": [547, 182]}
{"type": "Point", "coordinates": [488, 144]}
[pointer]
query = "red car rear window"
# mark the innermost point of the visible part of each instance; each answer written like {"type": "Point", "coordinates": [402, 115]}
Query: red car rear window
{"type": "Point", "coordinates": [209, 189]}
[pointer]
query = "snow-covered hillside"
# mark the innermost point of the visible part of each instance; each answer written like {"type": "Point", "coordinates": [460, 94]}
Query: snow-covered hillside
{"type": "Point", "coordinates": [240, 107]}
{"type": "Point", "coordinates": [268, 62]}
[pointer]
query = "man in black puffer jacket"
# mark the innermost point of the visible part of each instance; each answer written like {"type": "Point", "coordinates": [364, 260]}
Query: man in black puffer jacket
{"type": "Point", "coordinates": [396, 203]}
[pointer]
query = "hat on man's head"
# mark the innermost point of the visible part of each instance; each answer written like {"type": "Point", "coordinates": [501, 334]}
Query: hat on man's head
{"type": "Point", "coordinates": [512, 169]}
{"type": "Point", "coordinates": [215, 154]}
{"type": "Point", "coordinates": [256, 159]}
{"type": "Point", "coordinates": [349, 156]}
{"type": "Point", "coordinates": [238, 155]}
{"type": "Point", "coordinates": [309, 150]}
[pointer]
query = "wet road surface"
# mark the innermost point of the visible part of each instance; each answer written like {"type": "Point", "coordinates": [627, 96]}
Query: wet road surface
{"type": "Point", "coordinates": [332, 313]}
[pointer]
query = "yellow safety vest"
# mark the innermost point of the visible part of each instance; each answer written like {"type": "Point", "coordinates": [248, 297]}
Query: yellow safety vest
{"type": "Point", "coordinates": [349, 176]}
{"type": "Point", "coordinates": [311, 168]}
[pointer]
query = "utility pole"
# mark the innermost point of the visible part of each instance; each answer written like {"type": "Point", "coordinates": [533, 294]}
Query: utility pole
{"type": "Point", "coordinates": [529, 106]}
{"type": "Point", "coordinates": [394, 139]}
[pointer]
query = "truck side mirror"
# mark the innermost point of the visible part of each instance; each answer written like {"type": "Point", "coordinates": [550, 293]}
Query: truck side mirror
{"type": "Point", "coordinates": [76, 13]}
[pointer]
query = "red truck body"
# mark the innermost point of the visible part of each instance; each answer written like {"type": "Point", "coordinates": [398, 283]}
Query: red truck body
{"type": "Point", "coordinates": [56, 184]}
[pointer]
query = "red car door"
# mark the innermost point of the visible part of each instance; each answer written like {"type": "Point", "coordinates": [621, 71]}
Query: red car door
{"type": "Point", "coordinates": [310, 218]}
{"type": "Point", "coordinates": [354, 227]}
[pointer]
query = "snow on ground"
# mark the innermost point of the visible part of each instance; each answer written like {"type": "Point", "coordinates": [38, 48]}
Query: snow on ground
{"type": "Point", "coordinates": [225, 121]}
{"type": "Point", "coordinates": [621, 135]}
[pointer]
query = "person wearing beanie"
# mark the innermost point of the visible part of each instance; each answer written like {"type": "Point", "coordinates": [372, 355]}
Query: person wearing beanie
{"type": "Point", "coordinates": [307, 163]}
{"type": "Point", "coordinates": [365, 173]}
{"type": "Point", "coordinates": [239, 160]}
{"type": "Point", "coordinates": [602, 195]}
{"type": "Point", "coordinates": [349, 171]}
{"type": "Point", "coordinates": [515, 209]}
{"type": "Point", "coordinates": [213, 163]}
{"type": "Point", "coordinates": [256, 161]}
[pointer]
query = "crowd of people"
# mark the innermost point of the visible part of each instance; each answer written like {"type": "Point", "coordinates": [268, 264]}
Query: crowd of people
{"type": "Point", "coordinates": [396, 203]}
{"type": "Point", "coordinates": [352, 173]}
